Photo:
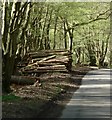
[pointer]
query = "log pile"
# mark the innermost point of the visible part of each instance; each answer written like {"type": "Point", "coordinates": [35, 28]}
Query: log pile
{"type": "Point", "coordinates": [44, 61]}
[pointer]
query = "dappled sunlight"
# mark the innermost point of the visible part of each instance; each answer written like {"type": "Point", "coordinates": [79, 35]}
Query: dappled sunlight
{"type": "Point", "coordinates": [96, 86]}
{"type": "Point", "coordinates": [65, 84]}
{"type": "Point", "coordinates": [89, 103]}
{"type": "Point", "coordinates": [104, 77]}
{"type": "Point", "coordinates": [52, 51]}
{"type": "Point", "coordinates": [92, 93]}
{"type": "Point", "coordinates": [102, 69]}
{"type": "Point", "coordinates": [101, 72]}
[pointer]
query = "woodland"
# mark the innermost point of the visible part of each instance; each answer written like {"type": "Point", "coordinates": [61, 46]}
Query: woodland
{"type": "Point", "coordinates": [40, 37]}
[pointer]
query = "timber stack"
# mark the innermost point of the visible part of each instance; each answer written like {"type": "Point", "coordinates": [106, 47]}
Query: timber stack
{"type": "Point", "coordinates": [36, 63]}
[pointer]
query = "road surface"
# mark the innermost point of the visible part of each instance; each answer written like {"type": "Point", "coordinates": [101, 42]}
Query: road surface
{"type": "Point", "coordinates": [92, 99]}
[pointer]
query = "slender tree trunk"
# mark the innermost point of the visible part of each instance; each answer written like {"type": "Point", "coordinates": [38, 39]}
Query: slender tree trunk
{"type": "Point", "coordinates": [55, 27]}
{"type": "Point", "coordinates": [39, 28]}
{"type": "Point", "coordinates": [104, 51]}
{"type": "Point", "coordinates": [23, 35]}
{"type": "Point", "coordinates": [47, 39]}
{"type": "Point", "coordinates": [43, 30]}
{"type": "Point", "coordinates": [70, 31]}
{"type": "Point", "coordinates": [79, 55]}
{"type": "Point", "coordinates": [65, 35]}
{"type": "Point", "coordinates": [71, 40]}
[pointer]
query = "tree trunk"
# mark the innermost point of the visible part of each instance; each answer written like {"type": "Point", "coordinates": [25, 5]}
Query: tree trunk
{"type": "Point", "coordinates": [70, 31]}
{"type": "Point", "coordinates": [24, 34]}
{"type": "Point", "coordinates": [104, 51]}
{"type": "Point", "coordinates": [47, 40]}
{"type": "Point", "coordinates": [43, 30]}
{"type": "Point", "coordinates": [65, 35]}
{"type": "Point", "coordinates": [9, 52]}
{"type": "Point", "coordinates": [6, 74]}
{"type": "Point", "coordinates": [24, 80]}
{"type": "Point", "coordinates": [79, 55]}
{"type": "Point", "coordinates": [55, 27]}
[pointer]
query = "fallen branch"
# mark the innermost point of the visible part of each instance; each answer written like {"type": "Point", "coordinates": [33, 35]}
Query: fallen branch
{"type": "Point", "coordinates": [24, 80]}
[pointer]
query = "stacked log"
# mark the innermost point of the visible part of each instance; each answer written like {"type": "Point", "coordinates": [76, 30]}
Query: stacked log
{"type": "Point", "coordinates": [47, 61]}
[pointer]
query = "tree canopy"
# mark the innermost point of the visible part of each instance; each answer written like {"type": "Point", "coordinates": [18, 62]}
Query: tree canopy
{"type": "Point", "coordinates": [83, 28]}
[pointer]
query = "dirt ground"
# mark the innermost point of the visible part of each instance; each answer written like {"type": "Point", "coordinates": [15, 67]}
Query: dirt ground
{"type": "Point", "coordinates": [47, 98]}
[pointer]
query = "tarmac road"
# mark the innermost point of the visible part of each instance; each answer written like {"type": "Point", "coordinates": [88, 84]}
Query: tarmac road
{"type": "Point", "coordinates": [92, 99]}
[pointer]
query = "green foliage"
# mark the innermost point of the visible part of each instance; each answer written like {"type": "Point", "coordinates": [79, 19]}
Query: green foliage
{"type": "Point", "coordinates": [84, 26]}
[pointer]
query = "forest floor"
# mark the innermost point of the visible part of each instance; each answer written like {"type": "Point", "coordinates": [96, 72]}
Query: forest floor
{"type": "Point", "coordinates": [46, 99]}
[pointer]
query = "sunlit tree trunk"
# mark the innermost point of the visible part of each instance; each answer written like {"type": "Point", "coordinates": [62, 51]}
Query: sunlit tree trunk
{"type": "Point", "coordinates": [9, 46]}
{"type": "Point", "coordinates": [24, 28]}
{"type": "Point", "coordinates": [70, 31]}
{"type": "Point", "coordinates": [47, 39]}
{"type": "Point", "coordinates": [55, 26]}
{"type": "Point", "coordinates": [9, 43]}
{"type": "Point", "coordinates": [104, 51]}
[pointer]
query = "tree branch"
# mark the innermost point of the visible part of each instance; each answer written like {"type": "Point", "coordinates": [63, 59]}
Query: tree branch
{"type": "Point", "coordinates": [93, 20]}
{"type": "Point", "coordinates": [85, 23]}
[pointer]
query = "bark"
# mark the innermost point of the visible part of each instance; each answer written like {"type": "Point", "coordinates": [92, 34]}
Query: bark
{"type": "Point", "coordinates": [42, 60]}
{"type": "Point", "coordinates": [61, 61]}
{"type": "Point", "coordinates": [56, 62]}
{"type": "Point", "coordinates": [48, 64]}
{"type": "Point", "coordinates": [24, 80]}
{"type": "Point", "coordinates": [70, 31]}
{"type": "Point", "coordinates": [43, 30]}
{"type": "Point", "coordinates": [11, 44]}
{"type": "Point", "coordinates": [92, 56]}
{"type": "Point", "coordinates": [47, 39]}
{"type": "Point", "coordinates": [55, 67]}
{"type": "Point", "coordinates": [47, 58]}
{"type": "Point", "coordinates": [4, 27]}
{"type": "Point", "coordinates": [23, 35]}
{"type": "Point", "coordinates": [78, 54]}
{"type": "Point", "coordinates": [39, 29]}
{"type": "Point", "coordinates": [9, 53]}
{"type": "Point", "coordinates": [44, 71]}
{"type": "Point", "coordinates": [104, 51]}
{"type": "Point", "coordinates": [55, 29]}
{"type": "Point", "coordinates": [49, 52]}
{"type": "Point", "coordinates": [65, 35]}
